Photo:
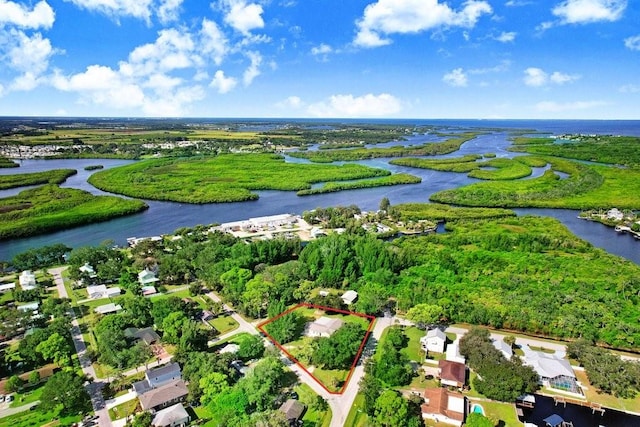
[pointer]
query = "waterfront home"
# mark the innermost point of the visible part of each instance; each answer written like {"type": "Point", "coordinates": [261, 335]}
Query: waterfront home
{"type": "Point", "coordinates": [323, 327]}
{"type": "Point", "coordinates": [108, 308]}
{"type": "Point", "coordinates": [615, 214]}
{"type": "Point", "coordinates": [349, 297]}
{"type": "Point", "coordinates": [173, 416]}
{"type": "Point", "coordinates": [88, 270]}
{"type": "Point", "coordinates": [453, 374]}
{"type": "Point", "coordinates": [553, 371]}
{"type": "Point", "coordinates": [443, 406]}
{"type": "Point", "coordinates": [146, 277]}
{"type": "Point", "coordinates": [434, 341]}
{"type": "Point", "coordinates": [27, 280]}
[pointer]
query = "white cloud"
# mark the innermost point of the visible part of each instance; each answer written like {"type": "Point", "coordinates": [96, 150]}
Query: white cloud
{"type": "Point", "coordinates": [253, 70]}
{"type": "Point", "coordinates": [323, 49]}
{"type": "Point", "coordinates": [363, 106]}
{"type": "Point", "coordinates": [588, 11]}
{"type": "Point", "coordinates": [145, 82]}
{"type": "Point", "coordinates": [632, 43]}
{"type": "Point", "coordinates": [169, 10]}
{"type": "Point", "coordinates": [506, 37]}
{"type": "Point", "coordinates": [456, 78]}
{"type": "Point", "coordinates": [223, 83]}
{"type": "Point", "coordinates": [213, 41]}
{"type": "Point", "coordinates": [537, 77]}
{"type": "Point", "coordinates": [558, 107]}
{"type": "Point", "coordinates": [386, 17]}
{"type": "Point", "coordinates": [562, 78]}
{"type": "Point", "coordinates": [41, 16]}
{"type": "Point", "coordinates": [243, 16]}
{"type": "Point", "coordinates": [291, 102]}
{"type": "Point", "coordinates": [1, 91]}
{"type": "Point", "coordinates": [30, 53]}
{"type": "Point", "coordinates": [140, 9]}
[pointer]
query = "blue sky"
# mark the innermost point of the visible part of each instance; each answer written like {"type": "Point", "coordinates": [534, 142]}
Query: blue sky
{"type": "Point", "coordinates": [321, 58]}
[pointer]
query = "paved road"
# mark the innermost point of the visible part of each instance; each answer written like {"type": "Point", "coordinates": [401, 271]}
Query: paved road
{"type": "Point", "coordinates": [7, 412]}
{"type": "Point", "coordinates": [94, 388]}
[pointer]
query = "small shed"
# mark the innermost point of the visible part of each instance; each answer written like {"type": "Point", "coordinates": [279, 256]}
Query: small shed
{"type": "Point", "coordinates": [349, 297]}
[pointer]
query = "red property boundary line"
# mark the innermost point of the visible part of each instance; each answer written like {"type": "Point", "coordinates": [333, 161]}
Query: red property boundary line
{"type": "Point", "coordinates": [327, 309]}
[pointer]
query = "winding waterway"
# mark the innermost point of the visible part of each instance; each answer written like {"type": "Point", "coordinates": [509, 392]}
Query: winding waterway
{"type": "Point", "coordinates": [165, 217]}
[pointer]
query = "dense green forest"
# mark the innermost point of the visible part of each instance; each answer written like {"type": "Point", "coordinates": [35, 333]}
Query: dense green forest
{"type": "Point", "coordinates": [332, 187]}
{"type": "Point", "coordinates": [522, 273]}
{"type": "Point", "coordinates": [224, 178]}
{"type": "Point", "coordinates": [493, 169]}
{"type": "Point", "coordinates": [618, 150]}
{"type": "Point", "coordinates": [50, 207]}
{"type": "Point", "coordinates": [7, 163]}
{"type": "Point", "coordinates": [568, 184]}
{"type": "Point", "coordinates": [450, 145]}
{"type": "Point", "coordinates": [55, 176]}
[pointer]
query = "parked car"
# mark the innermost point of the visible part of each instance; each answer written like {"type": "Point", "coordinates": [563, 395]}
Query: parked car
{"type": "Point", "coordinates": [9, 398]}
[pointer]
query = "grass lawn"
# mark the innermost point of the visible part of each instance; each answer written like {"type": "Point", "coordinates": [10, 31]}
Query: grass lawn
{"type": "Point", "coordinates": [333, 379]}
{"type": "Point", "coordinates": [27, 396]}
{"type": "Point", "coordinates": [357, 417]}
{"type": "Point", "coordinates": [224, 324]}
{"type": "Point", "coordinates": [37, 418]}
{"type": "Point", "coordinates": [203, 414]}
{"type": "Point", "coordinates": [499, 411]}
{"type": "Point", "coordinates": [606, 400]}
{"type": "Point", "coordinates": [312, 417]}
{"type": "Point", "coordinates": [413, 350]}
{"type": "Point", "coordinates": [124, 409]}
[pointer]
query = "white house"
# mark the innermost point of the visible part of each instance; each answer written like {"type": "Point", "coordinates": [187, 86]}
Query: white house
{"type": "Point", "coordinates": [27, 280]}
{"type": "Point", "coordinates": [435, 341]}
{"type": "Point", "coordinates": [349, 297]}
{"type": "Point", "coordinates": [30, 306]}
{"type": "Point", "coordinates": [172, 416]}
{"type": "Point", "coordinates": [6, 287]}
{"type": "Point", "coordinates": [615, 214]}
{"type": "Point", "coordinates": [86, 268]}
{"type": "Point", "coordinates": [453, 352]}
{"type": "Point", "coordinates": [108, 308]}
{"type": "Point", "coordinates": [323, 327]}
{"type": "Point", "coordinates": [146, 277]}
{"type": "Point", "coordinates": [101, 291]}
{"type": "Point", "coordinates": [503, 348]}
{"type": "Point", "coordinates": [552, 370]}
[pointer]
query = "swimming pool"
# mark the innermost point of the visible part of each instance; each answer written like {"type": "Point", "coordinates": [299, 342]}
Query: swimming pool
{"type": "Point", "coordinates": [477, 409]}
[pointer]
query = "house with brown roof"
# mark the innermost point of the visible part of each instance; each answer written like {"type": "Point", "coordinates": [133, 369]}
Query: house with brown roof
{"type": "Point", "coordinates": [444, 406]}
{"type": "Point", "coordinates": [453, 374]}
{"type": "Point", "coordinates": [323, 327]}
{"type": "Point", "coordinates": [163, 396]}
{"type": "Point", "coordinates": [292, 410]}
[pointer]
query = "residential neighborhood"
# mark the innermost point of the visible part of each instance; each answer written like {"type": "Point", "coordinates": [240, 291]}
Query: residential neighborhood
{"type": "Point", "coordinates": [156, 349]}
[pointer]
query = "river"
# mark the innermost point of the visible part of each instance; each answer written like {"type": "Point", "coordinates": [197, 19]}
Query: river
{"type": "Point", "coordinates": [165, 217]}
